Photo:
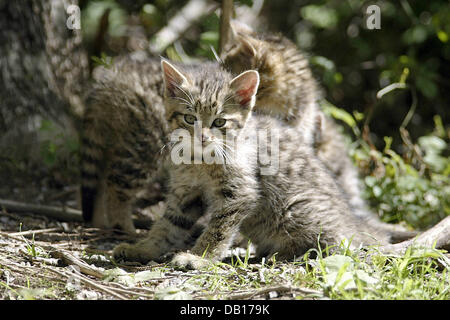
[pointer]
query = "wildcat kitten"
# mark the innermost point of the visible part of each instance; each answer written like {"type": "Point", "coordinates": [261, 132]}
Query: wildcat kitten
{"type": "Point", "coordinates": [289, 91]}
{"type": "Point", "coordinates": [122, 139]}
{"type": "Point", "coordinates": [285, 210]}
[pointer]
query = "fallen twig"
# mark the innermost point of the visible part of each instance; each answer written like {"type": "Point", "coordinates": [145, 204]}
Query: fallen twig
{"type": "Point", "coordinates": [439, 235]}
{"type": "Point", "coordinates": [42, 244]}
{"type": "Point", "coordinates": [279, 289]}
{"type": "Point", "coordinates": [38, 231]}
{"type": "Point", "coordinates": [90, 283]}
{"type": "Point", "coordinates": [58, 213]}
{"type": "Point", "coordinates": [70, 259]}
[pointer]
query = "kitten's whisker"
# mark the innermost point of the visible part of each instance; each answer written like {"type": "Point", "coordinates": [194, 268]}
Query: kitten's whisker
{"type": "Point", "coordinates": [222, 153]}
{"type": "Point", "coordinates": [169, 146]}
{"type": "Point", "coordinates": [186, 102]}
{"type": "Point", "coordinates": [187, 94]}
{"type": "Point", "coordinates": [223, 148]}
{"type": "Point", "coordinates": [231, 96]}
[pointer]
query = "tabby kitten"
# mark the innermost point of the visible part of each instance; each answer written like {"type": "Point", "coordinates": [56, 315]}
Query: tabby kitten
{"type": "Point", "coordinates": [289, 91]}
{"type": "Point", "coordinates": [122, 139]}
{"type": "Point", "coordinates": [285, 211]}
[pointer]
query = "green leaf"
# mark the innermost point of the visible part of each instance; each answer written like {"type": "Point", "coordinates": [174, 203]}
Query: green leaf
{"type": "Point", "coordinates": [130, 279]}
{"type": "Point", "coordinates": [104, 60]}
{"type": "Point", "coordinates": [442, 35]}
{"type": "Point", "coordinates": [364, 276]}
{"type": "Point", "coordinates": [426, 86]}
{"type": "Point", "coordinates": [416, 34]}
{"type": "Point", "coordinates": [370, 181]}
{"type": "Point", "coordinates": [323, 62]}
{"type": "Point", "coordinates": [336, 262]}
{"type": "Point", "coordinates": [209, 37]}
{"type": "Point", "coordinates": [118, 275]}
{"type": "Point", "coordinates": [33, 294]}
{"type": "Point", "coordinates": [147, 275]}
{"type": "Point", "coordinates": [339, 114]}
{"type": "Point", "coordinates": [320, 16]}
{"type": "Point", "coordinates": [358, 115]}
{"type": "Point", "coordinates": [172, 293]}
{"type": "Point", "coordinates": [432, 144]}
{"type": "Point", "coordinates": [248, 3]}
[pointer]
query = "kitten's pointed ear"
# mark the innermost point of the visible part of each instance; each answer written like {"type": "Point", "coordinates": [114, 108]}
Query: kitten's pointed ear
{"type": "Point", "coordinates": [245, 87]}
{"type": "Point", "coordinates": [238, 27]}
{"type": "Point", "coordinates": [173, 78]}
{"type": "Point", "coordinates": [247, 46]}
{"type": "Point", "coordinates": [241, 34]}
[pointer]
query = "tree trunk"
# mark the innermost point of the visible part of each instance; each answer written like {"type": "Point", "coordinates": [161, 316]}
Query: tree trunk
{"type": "Point", "coordinates": [42, 62]}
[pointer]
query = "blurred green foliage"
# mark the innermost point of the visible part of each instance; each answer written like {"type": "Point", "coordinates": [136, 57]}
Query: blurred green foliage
{"type": "Point", "coordinates": [415, 187]}
{"type": "Point", "coordinates": [353, 62]}
{"type": "Point", "coordinates": [59, 152]}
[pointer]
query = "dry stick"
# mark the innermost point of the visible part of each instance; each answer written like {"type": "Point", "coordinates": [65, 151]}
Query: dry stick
{"type": "Point", "coordinates": [132, 292]}
{"type": "Point", "coordinates": [41, 244]}
{"type": "Point", "coordinates": [439, 234]}
{"type": "Point", "coordinates": [110, 290]}
{"type": "Point", "coordinates": [90, 283]}
{"type": "Point", "coordinates": [121, 286]}
{"type": "Point", "coordinates": [192, 12]}
{"type": "Point", "coordinates": [70, 259]}
{"type": "Point", "coordinates": [84, 268]}
{"type": "Point", "coordinates": [65, 256]}
{"type": "Point", "coordinates": [107, 288]}
{"type": "Point", "coordinates": [38, 231]}
{"type": "Point", "coordinates": [281, 288]}
{"type": "Point", "coordinates": [225, 17]}
{"type": "Point", "coordinates": [58, 213]}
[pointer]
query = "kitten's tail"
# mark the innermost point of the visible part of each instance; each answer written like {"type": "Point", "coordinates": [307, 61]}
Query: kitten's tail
{"type": "Point", "coordinates": [91, 165]}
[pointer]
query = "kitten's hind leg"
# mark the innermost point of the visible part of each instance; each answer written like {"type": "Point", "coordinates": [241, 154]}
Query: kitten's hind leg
{"type": "Point", "coordinates": [112, 209]}
{"type": "Point", "coordinates": [99, 217]}
{"type": "Point", "coordinates": [124, 178]}
{"type": "Point", "coordinates": [119, 211]}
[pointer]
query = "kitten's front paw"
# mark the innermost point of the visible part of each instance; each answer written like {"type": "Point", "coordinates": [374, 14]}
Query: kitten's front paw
{"type": "Point", "coordinates": [189, 261]}
{"type": "Point", "coordinates": [130, 252]}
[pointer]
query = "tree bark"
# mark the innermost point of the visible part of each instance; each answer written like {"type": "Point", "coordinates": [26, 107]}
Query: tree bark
{"type": "Point", "coordinates": [43, 65]}
{"type": "Point", "coordinates": [225, 17]}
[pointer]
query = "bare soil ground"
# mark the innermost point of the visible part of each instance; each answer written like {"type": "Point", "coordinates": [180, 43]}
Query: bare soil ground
{"type": "Point", "coordinates": [43, 258]}
{"type": "Point", "coordinates": [46, 258]}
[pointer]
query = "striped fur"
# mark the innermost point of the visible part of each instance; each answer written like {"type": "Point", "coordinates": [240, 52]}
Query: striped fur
{"type": "Point", "coordinates": [286, 212]}
{"type": "Point", "coordinates": [124, 132]}
{"type": "Point", "coordinates": [289, 91]}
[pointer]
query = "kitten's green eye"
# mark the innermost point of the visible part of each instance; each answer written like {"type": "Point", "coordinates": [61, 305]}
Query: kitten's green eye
{"type": "Point", "coordinates": [219, 122]}
{"type": "Point", "coordinates": [189, 118]}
